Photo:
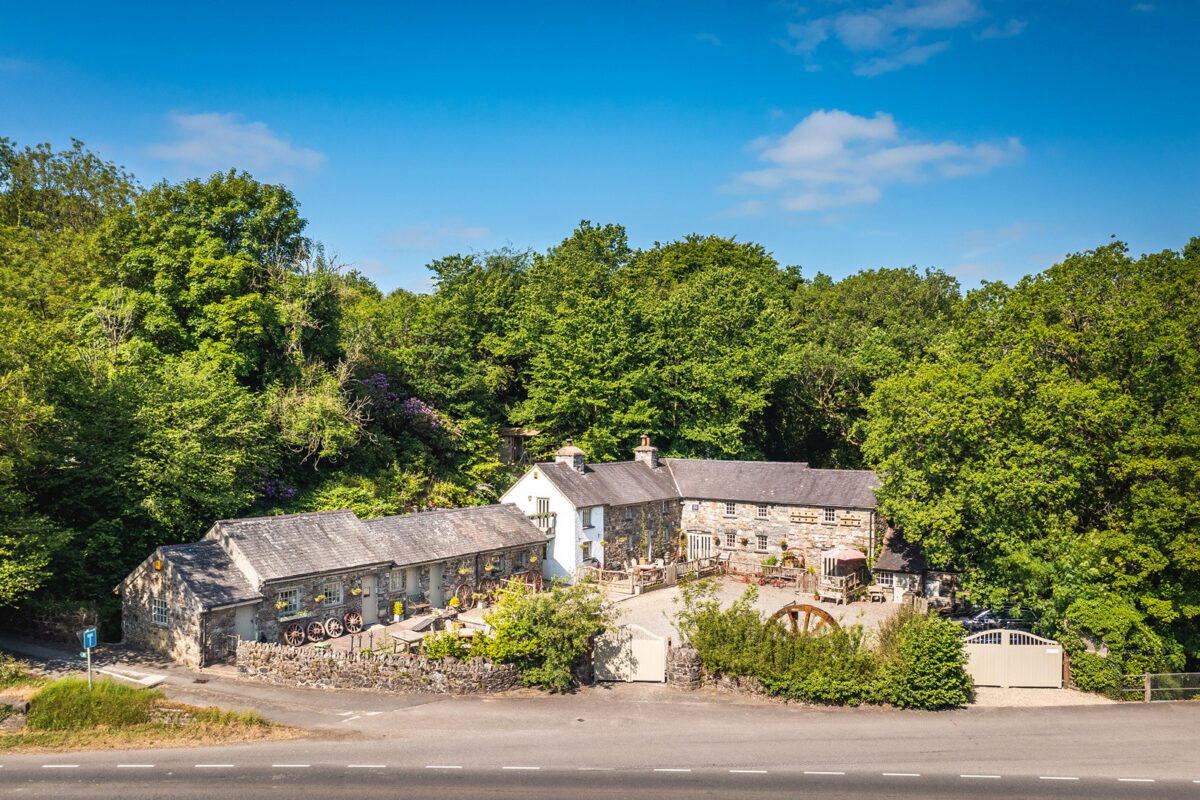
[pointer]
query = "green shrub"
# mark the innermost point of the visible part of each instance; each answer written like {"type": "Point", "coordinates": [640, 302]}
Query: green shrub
{"type": "Point", "coordinates": [930, 668]}
{"type": "Point", "coordinates": [545, 634]}
{"type": "Point", "coordinates": [15, 672]}
{"type": "Point", "coordinates": [445, 644]}
{"type": "Point", "coordinates": [1133, 646]}
{"type": "Point", "coordinates": [68, 704]}
{"type": "Point", "coordinates": [770, 561]}
{"type": "Point", "coordinates": [1095, 673]}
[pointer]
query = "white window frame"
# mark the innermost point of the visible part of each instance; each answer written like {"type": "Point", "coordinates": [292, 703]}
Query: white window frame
{"type": "Point", "coordinates": [730, 538]}
{"type": "Point", "coordinates": [543, 513]}
{"type": "Point", "coordinates": [585, 517]}
{"type": "Point", "coordinates": [761, 542]}
{"type": "Point", "coordinates": [292, 598]}
{"type": "Point", "coordinates": [159, 612]}
{"type": "Point", "coordinates": [885, 578]}
{"type": "Point", "coordinates": [763, 511]}
{"type": "Point", "coordinates": [730, 509]}
{"type": "Point", "coordinates": [628, 512]}
{"type": "Point", "coordinates": [334, 593]}
{"type": "Point", "coordinates": [829, 516]}
{"type": "Point", "coordinates": [396, 580]}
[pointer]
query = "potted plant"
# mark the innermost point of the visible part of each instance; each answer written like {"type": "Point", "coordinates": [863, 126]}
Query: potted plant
{"type": "Point", "coordinates": [454, 603]}
{"type": "Point", "coordinates": [356, 591]}
{"type": "Point", "coordinates": [533, 559]}
{"type": "Point", "coordinates": [745, 540]}
{"type": "Point", "coordinates": [319, 598]}
{"type": "Point", "coordinates": [783, 544]}
{"type": "Point", "coordinates": [463, 571]}
{"type": "Point", "coordinates": [489, 567]}
{"type": "Point", "coordinates": [280, 605]}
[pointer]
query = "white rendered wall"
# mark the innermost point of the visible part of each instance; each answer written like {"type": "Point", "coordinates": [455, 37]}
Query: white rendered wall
{"type": "Point", "coordinates": [563, 552]}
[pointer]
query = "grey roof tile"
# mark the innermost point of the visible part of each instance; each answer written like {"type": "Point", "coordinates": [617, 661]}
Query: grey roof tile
{"type": "Point", "coordinates": [453, 532]}
{"type": "Point", "coordinates": [784, 483]}
{"type": "Point", "coordinates": [901, 555]}
{"type": "Point", "coordinates": [209, 573]}
{"type": "Point", "coordinates": [616, 484]}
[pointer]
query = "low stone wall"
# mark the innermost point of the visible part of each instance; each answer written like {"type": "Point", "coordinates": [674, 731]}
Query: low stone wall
{"type": "Point", "coordinates": [307, 666]}
{"type": "Point", "coordinates": [685, 671]}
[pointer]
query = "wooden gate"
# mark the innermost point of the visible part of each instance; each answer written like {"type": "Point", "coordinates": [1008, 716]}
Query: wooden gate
{"type": "Point", "coordinates": [1014, 658]}
{"type": "Point", "coordinates": [630, 653]}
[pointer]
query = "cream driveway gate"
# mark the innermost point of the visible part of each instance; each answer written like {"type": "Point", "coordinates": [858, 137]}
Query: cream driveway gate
{"type": "Point", "coordinates": [630, 653]}
{"type": "Point", "coordinates": [1014, 658]}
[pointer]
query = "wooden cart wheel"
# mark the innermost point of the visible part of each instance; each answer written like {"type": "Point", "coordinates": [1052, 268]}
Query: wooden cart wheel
{"type": "Point", "coordinates": [352, 620]}
{"type": "Point", "coordinates": [334, 627]}
{"type": "Point", "coordinates": [489, 586]}
{"type": "Point", "coordinates": [806, 620]}
{"type": "Point", "coordinates": [294, 634]}
{"type": "Point", "coordinates": [465, 594]}
{"type": "Point", "coordinates": [315, 631]}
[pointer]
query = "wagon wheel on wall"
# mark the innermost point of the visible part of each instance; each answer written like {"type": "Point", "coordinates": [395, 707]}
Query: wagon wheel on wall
{"type": "Point", "coordinates": [534, 578]}
{"type": "Point", "coordinates": [806, 620]}
{"type": "Point", "coordinates": [488, 586]}
{"type": "Point", "coordinates": [315, 631]}
{"type": "Point", "coordinates": [352, 621]}
{"type": "Point", "coordinates": [334, 627]}
{"type": "Point", "coordinates": [294, 634]}
{"type": "Point", "coordinates": [465, 594]}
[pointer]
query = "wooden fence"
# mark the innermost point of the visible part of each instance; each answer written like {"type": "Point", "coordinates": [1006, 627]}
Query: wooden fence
{"type": "Point", "coordinates": [644, 578]}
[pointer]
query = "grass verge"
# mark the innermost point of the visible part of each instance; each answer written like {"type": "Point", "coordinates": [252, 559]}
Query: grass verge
{"type": "Point", "coordinates": [14, 673]}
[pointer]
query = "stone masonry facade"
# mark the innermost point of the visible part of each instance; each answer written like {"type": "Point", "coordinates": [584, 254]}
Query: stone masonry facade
{"type": "Point", "coordinates": [805, 529]}
{"type": "Point", "coordinates": [641, 530]}
{"type": "Point", "coordinates": [180, 638]}
{"type": "Point", "coordinates": [401, 672]}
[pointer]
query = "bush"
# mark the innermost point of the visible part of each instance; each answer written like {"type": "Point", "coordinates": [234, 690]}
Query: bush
{"type": "Point", "coordinates": [1132, 645]}
{"type": "Point", "coordinates": [446, 644]}
{"type": "Point", "coordinates": [929, 670]}
{"type": "Point", "coordinates": [68, 704]}
{"type": "Point", "coordinates": [1095, 673]}
{"type": "Point", "coordinates": [545, 634]}
{"type": "Point", "coordinates": [15, 672]}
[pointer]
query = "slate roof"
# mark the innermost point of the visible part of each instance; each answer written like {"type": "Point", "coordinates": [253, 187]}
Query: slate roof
{"type": "Point", "coordinates": [617, 484]}
{"type": "Point", "coordinates": [209, 574]}
{"type": "Point", "coordinates": [900, 555]}
{"type": "Point", "coordinates": [453, 532]}
{"type": "Point", "coordinates": [292, 545]}
{"type": "Point", "coordinates": [784, 483]}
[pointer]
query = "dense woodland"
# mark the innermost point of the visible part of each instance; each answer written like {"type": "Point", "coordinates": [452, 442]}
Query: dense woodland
{"type": "Point", "coordinates": [182, 353]}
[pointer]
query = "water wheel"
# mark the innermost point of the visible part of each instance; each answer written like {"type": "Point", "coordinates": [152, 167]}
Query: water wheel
{"type": "Point", "coordinates": [315, 631]}
{"type": "Point", "coordinates": [352, 621]}
{"type": "Point", "coordinates": [466, 596]}
{"type": "Point", "coordinates": [294, 634]}
{"type": "Point", "coordinates": [334, 627]}
{"type": "Point", "coordinates": [806, 620]}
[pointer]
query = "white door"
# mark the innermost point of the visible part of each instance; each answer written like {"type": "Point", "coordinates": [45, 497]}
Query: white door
{"type": "Point", "coordinates": [245, 623]}
{"type": "Point", "coordinates": [435, 585]}
{"type": "Point", "coordinates": [630, 653]}
{"type": "Point", "coordinates": [699, 545]}
{"type": "Point", "coordinates": [370, 602]}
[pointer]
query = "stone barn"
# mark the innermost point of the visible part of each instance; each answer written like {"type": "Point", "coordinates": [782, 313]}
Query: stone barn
{"type": "Point", "coordinates": [257, 578]}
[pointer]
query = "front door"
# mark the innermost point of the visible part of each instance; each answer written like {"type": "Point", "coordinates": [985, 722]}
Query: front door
{"type": "Point", "coordinates": [370, 602]}
{"type": "Point", "coordinates": [245, 623]}
{"type": "Point", "coordinates": [699, 545]}
{"type": "Point", "coordinates": [435, 585]}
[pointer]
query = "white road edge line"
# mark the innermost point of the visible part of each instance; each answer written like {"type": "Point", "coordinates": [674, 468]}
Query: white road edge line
{"type": "Point", "coordinates": [993, 777]}
{"type": "Point", "coordinates": [901, 774]}
{"type": "Point", "coordinates": [672, 769]}
{"type": "Point", "coordinates": [366, 766]}
{"type": "Point", "coordinates": [1136, 780]}
{"type": "Point", "coordinates": [1055, 778]}
{"type": "Point", "coordinates": [60, 766]}
{"type": "Point", "coordinates": [443, 766]}
{"type": "Point", "coordinates": [351, 719]}
{"type": "Point", "coordinates": [750, 771]}
{"type": "Point", "coordinates": [815, 772]}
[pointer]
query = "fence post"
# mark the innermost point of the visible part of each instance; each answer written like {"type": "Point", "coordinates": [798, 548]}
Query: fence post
{"type": "Point", "coordinates": [1145, 687]}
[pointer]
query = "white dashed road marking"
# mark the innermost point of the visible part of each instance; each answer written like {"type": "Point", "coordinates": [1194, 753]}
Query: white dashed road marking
{"type": "Point", "coordinates": [671, 769]}
{"type": "Point", "coordinates": [367, 766]}
{"type": "Point", "coordinates": [1135, 780]}
{"type": "Point", "coordinates": [901, 774]}
{"type": "Point", "coordinates": [1055, 778]}
{"type": "Point", "coordinates": [520, 768]}
{"type": "Point", "coordinates": [214, 766]}
{"type": "Point", "coordinates": [351, 719]}
{"type": "Point", "coordinates": [749, 771]}
{"type": "Point", "coordinates": [60, 766]}
{"type": "Point", "coordinates": [442, 766]}
{"type": "Point", "coordinates": [135, 766]}
{"type": "Point", "coordinates": [816, 772]}
{"type": "Point", "coordinates": [289, 766]}
{"type": "Point", "coordinates": [610, 769]}
{"type": "Point", "coordinates": [993, 777]}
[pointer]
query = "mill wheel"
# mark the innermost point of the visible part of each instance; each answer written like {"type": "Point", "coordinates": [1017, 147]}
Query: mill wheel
{"type": "Point", "coordinates": [352, 621]}
{"type": "Point", "coordinates": [294, 634]}
{"type": "Point", "coordinates": [466, 596]}
{"type": "Point", "coordinates": [315, 631]}
{"type": "Point", "coordinates": [334, 627]}
{"type": "Point", "coordinates": [806, 620]}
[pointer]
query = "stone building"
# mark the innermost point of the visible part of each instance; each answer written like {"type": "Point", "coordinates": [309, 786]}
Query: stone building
{"type": "Point", "coordinates": [743, 512]}
{"type": "Point", "coordinates": [251, 578]}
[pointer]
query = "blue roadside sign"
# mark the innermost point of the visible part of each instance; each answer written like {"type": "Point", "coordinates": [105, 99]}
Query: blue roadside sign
{"type": "Point", "coordinates": [89, 638]}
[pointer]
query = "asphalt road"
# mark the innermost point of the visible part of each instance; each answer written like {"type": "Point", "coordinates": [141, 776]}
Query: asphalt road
{"type": "Point", "coordinates": [646, 741]}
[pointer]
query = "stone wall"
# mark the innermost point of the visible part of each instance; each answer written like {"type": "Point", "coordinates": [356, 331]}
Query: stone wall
{"type": "Point", "coordinates": [631, 532]}
{"type": "Point", "coordinates": [685, 671]}
{"type": "Point", "coordinates": [307, 666]}
{"type": "Point", "coordinates": [180, 638]}
{"type": "Point", "coordinates": [801, 527]}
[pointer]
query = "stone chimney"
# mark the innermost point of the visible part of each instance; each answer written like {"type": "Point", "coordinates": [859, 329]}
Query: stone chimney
{"type": "Point", "coordinates": [646, 453]}
{"type": "Point", "coordinates": [572, 456]}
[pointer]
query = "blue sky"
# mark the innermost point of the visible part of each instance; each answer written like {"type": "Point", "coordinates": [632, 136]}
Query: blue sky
{"type": "Point", "coordinates": [987, 138]}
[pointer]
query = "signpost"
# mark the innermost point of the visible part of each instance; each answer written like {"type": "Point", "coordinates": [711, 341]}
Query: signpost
{"type": "Point", "coordinates": [88, 637]}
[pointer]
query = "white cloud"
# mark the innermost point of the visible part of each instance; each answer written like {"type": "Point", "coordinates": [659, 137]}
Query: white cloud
{"type": "Point", "coordinates": [428, 236]}
{"type": "Point", "coordinates": [897, 34]}
{"type": "Point", "coordinates": [15, 65]}
{"type": "Point", "coordinates": [710, 38]}
{"type": "Point", "coordinates": [221, 141]}
{"type": "Point", "coordinates": [1145, 8]}
{"type": "Point", "coordinates": [1006, 31]}
{"type": "Point", "coordinates": [834, 159]}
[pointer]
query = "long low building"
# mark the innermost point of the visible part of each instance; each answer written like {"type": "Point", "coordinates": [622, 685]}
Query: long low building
{"type": "Point", "coordinates": [265, 578]}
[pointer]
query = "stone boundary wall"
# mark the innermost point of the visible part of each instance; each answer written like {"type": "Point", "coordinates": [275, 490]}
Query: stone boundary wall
{"type": "Point", "coordinates": [685, 671]}
{"type": "Point", "coordinates": [306, 666]}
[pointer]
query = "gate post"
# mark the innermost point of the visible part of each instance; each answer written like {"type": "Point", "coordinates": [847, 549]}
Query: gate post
{"type": "Point", "coordinates": [1145, 687]}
